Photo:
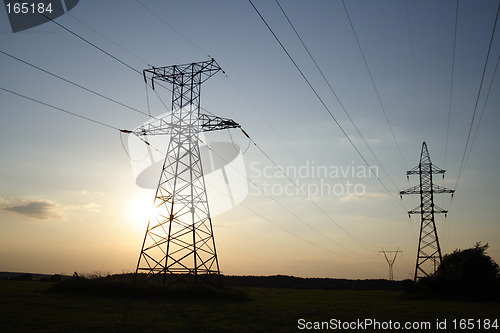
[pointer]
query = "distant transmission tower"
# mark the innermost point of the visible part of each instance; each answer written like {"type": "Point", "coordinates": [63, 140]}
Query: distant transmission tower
{"type": "Point", "coordinates": [429, 251]}
{"type": "Point", "coordinates": [179, 239]}
{"type": "Point", "coordinates": [390, 260]}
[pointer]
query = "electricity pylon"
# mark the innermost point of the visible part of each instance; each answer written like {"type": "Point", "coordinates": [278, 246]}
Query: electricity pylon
{"type": "Point", "coordinates": [179, 239]}
{"type": "Point", "coordinates": [390, 261]}
{"type": "Point", "coordinates": [429, 250]}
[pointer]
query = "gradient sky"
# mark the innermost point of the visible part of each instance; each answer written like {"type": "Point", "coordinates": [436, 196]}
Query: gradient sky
{"type": "Point", "coordinates": [68, 198]}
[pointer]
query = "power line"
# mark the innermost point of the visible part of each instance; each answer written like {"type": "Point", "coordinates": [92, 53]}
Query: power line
{"type": "Point", "coordinates": [82, 87]}
{"type": "Point", "coordinates": [84, 39]}
{"type": "Point", "coordinates": [68, 81]}
{"type": "Point", "coordinates": [462, 163]}
{"type": "Point", "coordinates": [482, 112]}
{"type": "Point", "coordinates": [183, 37]}
{"type": "Point", "coordinates": [270, 159]}
{"type": "Point", "coordinates": [335, 94]}
{"type": "Point", "coordinates": [105, 52]}
{"type": "Point", "coordinates": [231, 80]}
{"type": "Point", "coordinates": [345, 110]}
{"type": "Point", "coordinates": [92, 44]}
{"type": "Point", "coordinates": [279, 203]}
{"type": "Point", "coordinates": [73, 83]}
{"type": "Point", "coordinates": [288, 231]}
{"type": "Point", "coordinates": [264, 118]}
{"type": "Point", "coordinates": [97, 47]}
{"type": "Point", "coordinates": [125, 131]}
{"type": "Point", "coordinates": [107, 38]}
{"type": "Point", "coordinates": [312, 201]}
{"type": "Point", "coordinates": [451, 85]}
{"type": "Point", "coordinates": [171, 27]}
{"type": "Point", "coordinates": [321, 100]}
{"type": "Point", "coordinates": [130, 53]}
{"type": "Point", "coordinates": [60, 109]}
{"type": "Point", "coordinates": [282, 228]}
{"type": "Point", "coordinates": [415, 70]}
{"type": "Point", "coordinates": [373, 83]}
{"type": "Point", "coordinates": [274, 200]}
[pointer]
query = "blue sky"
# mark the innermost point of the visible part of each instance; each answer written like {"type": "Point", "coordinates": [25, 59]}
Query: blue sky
{"type": "Point", "coordinates": [68, 198]}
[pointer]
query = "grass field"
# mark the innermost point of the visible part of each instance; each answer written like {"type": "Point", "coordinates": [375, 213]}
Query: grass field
{"type": "Point", "coordinates": [27, 306]}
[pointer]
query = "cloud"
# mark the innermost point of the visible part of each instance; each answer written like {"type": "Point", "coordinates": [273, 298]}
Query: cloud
{"type": "Point", "coordinates": [46, 209]}
{"type": "Point", "coordinates": [91, 208]}
{"type": "Point", "coordinates": [39, 209]}
{"type": "Point", "coordinates": [365, 196]}
{"type": "Point", "coordinates": [98, 193]}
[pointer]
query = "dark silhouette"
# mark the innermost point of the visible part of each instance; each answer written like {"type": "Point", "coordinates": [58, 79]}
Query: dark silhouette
{"type": "Point", "coordinates": [468, 274]}
{"type": "Point", "coordinates": [292, 282]}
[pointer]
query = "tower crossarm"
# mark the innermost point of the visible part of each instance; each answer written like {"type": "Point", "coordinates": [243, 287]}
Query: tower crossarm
{"type": "Point", "coordinates": [160, 127]}
{"type": "Point", "coordinates": [390, 257]}
{"type": "Point", "coordinates": [414, 171]}
{"type": "Point", "coordinates": [213, 123]}
{"type": "Point", "coordinates": [415, 210]}
{"type": "Point", "coordinates": [437, 210]}
{"type": "Point", "coordinates": [411, 190]}
{"type": "Point", "coordinates": [417, 170]}
{"type": "Point", "coordinates": [440, 189]}
{"type": "Point", "coordinates": [207, 123]}
{"type": "Point", "coordinates": [183, 74]}
{"type": "Point", "coordinates": [387, 254]}
{"type": "Point", "coordinates": [435, 189]}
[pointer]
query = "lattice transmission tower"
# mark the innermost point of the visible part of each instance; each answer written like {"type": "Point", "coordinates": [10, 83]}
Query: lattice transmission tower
{"type": "Point", "coordinates": [429, 255]}
{"type": "Point", "coordinates": [179, 239]}
{"type": "Point", "coordinates": [390, 260]}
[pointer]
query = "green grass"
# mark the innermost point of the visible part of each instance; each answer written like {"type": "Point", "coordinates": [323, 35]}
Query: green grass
{"type": "Point", "coordinates": [27, 306]}
{"type": "Point", "coordinates": [126, 286]}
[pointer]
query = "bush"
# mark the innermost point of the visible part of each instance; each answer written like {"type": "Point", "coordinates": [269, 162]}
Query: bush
{"type": "Point", "coordinates": [468, 274]}
{"type": "Point", "coordinates": [126, 285]}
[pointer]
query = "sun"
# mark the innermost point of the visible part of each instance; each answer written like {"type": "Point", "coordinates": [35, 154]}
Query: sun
{"type": "Point", "coordinates": [141, 207]}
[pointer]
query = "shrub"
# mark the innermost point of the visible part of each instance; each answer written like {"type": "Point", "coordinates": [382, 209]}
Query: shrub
{"type": "Point", "coordinates": [468, 274]}
{"type": "Point", "coordinates": [126, 285]}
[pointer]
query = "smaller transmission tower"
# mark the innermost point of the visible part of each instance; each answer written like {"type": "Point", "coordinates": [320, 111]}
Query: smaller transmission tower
{"type": "Point", "coordinates": [390, 260]}
{"type": "Point", "coordinates": [429, 251]}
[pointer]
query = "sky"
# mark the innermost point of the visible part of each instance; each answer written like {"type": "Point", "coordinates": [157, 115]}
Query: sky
{"type": "Point", "coordinates": [69, 200]}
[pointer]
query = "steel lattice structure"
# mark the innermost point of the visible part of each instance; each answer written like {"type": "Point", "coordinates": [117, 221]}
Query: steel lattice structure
{"type": "Point", "coordinates": [429, 250]}
{"type": "Point", "coordinates": [179, 238]}
{"type": "Point", "coordinates": [390, 261]}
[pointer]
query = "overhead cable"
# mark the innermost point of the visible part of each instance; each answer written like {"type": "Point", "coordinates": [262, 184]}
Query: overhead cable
{"type": "Point", "coordinates": [321, 100]}
{"type": "Point", "coordinates": [452, 79]}
{"type": "Point", "coordinates": [373, 83]}
{"type": "Point", "coordinates": [462, 163]}
{"type": "Point", "coordinates": [60, 109]}
{"type": "Point", "coordinates": [73, 83]}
